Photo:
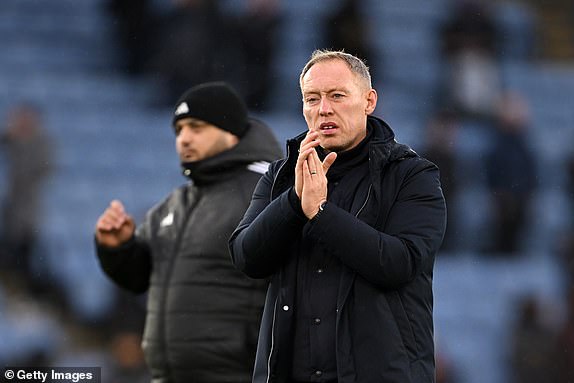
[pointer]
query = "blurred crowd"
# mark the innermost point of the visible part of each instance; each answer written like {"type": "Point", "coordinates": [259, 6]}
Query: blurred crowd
{"type": "Point", "coordinates": [177, 44]}
{"type": "Point", "coordinates": [187, 42]}
{"type": "Point", "coordinates": [38, 325]}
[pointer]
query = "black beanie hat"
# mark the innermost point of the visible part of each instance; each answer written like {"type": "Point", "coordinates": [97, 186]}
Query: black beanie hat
{"type": "Point", "coordinates": [216, 103]}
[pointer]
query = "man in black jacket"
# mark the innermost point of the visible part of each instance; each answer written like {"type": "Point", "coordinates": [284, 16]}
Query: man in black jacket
{"type": "Point", "coordinates": [202, 314]}
{"type": "Point", "coordinates": [347, 226]}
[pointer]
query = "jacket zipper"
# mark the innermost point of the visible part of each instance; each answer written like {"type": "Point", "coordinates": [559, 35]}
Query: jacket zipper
{"type": "Point", "coordinates": [366, 200]}
{"type": "Point", "coordinates": [272, 341]}
{"type": "Point", "coordinates": [168, 278]}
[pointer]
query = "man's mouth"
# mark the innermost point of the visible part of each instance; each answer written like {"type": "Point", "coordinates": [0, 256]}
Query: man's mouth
{"type": "Point", "coordinates": [328, 127]}
{"type": "Point", "coordinates": [190, 154]}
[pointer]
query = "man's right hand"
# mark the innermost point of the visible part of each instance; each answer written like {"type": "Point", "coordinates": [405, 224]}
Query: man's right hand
{"type": "Point", "coordinates": [115, 226]}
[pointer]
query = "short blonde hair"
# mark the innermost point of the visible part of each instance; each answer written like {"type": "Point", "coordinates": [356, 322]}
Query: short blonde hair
{"type": "Point", "coordinates": [355, 64]}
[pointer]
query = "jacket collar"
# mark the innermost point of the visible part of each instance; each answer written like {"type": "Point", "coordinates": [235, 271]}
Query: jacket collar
{"type": "Point", "coordinates": [383, 146]}
{"type": "Point", "coordinates": [258, 144]}
{"type": "Point", "coordinates": [383, 149]}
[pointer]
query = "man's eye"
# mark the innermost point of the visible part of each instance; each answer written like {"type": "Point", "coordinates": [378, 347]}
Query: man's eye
{"type": "Point", "coordinates": [311, 99]}
{"type": "Point", "coordinates": [338, 95]}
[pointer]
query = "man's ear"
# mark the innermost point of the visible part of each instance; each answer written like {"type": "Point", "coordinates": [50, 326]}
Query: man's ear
{"type": "Point", "coordinates": [372, 98]}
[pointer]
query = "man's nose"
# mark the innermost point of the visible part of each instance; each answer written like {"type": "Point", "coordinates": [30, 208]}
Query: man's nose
{"type": "Point", "coordinates": [185, 136]}
{"type": "Point", "coordinates": [325, 106]}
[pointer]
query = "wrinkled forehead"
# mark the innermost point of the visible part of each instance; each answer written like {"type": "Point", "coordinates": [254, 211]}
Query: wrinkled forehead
{"type": "Point", "coordinates": [331, 74]}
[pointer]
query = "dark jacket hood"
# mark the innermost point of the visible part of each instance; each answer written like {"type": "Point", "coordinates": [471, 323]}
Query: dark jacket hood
{"type": "Point", "coordinates": [384, 141]}
{"type": "Point", "coordinates": [258, 144]}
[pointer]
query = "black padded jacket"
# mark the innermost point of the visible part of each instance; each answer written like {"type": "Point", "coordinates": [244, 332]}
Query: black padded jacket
{"type": "Point", "coordinates": [202, 314]}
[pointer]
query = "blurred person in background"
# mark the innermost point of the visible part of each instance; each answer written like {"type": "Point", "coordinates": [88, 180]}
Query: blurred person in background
{"type": "Point", "coordinates": [511, 170]}
{"type": "Point", "coordinates": [259, 31]}
{"type": "Point", "coordinates": [28, 151]}
{"type": "Point", "coordinates": [202, 314]}
{"type": "Point", "coordinates": [563, 363]}
{"type": "Point", "coordinates": [133, 23]}
{"type": "Point", "coordinates": [346, 28]}
{"type": "Point", "coordinates": [565, 246]}
{"type": "Point", "coordinates": [440, 148]}
{"type": "Point", "coordinates": [533, 341]}
{"type": "Point", "coordinates": [472, 80]}
{"type": "Point", "coordinates": [347, 227]}
{"type": "Point", "coordinates": [194, 42]}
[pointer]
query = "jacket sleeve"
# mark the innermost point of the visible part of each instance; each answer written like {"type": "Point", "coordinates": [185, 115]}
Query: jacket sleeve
{"type": "Point", "coordinates": [408, 240]}
{"type": "Point", "coordinates": [128, 265]}
{"type": "Point", "coordinates": [263, 239]}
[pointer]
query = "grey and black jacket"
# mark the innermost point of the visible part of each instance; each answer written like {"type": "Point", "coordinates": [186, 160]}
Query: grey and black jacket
{"type": "Point", "coordinates": [202, 314]}
{"type": "Point", "coordinates": [387, 245]}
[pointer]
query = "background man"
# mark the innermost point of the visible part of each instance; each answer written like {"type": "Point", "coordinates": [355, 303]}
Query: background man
{"type": "Point", "coordinates": [202, 314]}
{"type": "Point", "coordinates": [28, 153]}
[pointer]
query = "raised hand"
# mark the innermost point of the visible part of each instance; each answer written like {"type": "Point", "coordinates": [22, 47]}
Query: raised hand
{"type": "Point", "coordinates": [311, 175]}
{"type": "Point", "coordinates": [115, 226]}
